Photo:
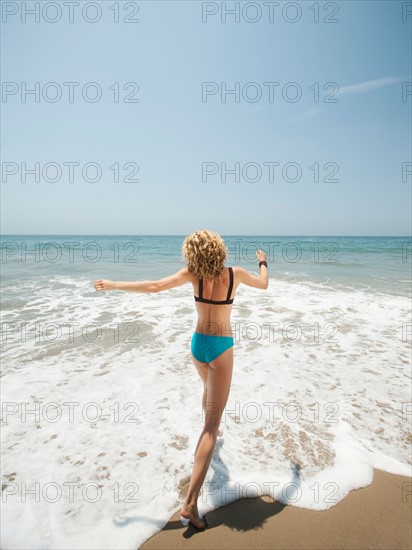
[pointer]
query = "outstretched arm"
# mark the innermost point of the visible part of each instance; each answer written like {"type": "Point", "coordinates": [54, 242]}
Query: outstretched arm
{"type": "Point", "coordinates": [177, 279]}
{"type": "Point", "coordinates": [250, 280]}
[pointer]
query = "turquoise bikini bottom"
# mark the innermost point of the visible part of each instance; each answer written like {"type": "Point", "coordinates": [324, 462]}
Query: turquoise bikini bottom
{"type": "Point", "coordinates": [206, 347]}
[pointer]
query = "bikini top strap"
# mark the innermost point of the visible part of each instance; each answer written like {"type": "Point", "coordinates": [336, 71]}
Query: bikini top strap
{"type": "Point", "coordinates": [229, 292]}
{"type": "Point", "coordinates": [200, 288]}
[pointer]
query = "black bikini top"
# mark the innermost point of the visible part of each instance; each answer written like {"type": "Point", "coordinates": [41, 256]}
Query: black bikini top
{"type": "Point", "coordinates": [229, 292]}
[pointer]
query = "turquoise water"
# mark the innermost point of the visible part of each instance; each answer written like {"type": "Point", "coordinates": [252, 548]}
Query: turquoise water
{"type": "Point", "coordinates": [380, 264]}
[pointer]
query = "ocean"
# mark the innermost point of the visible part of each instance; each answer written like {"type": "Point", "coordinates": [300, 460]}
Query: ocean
{"type": "Point", "coordinates": [101, 404]}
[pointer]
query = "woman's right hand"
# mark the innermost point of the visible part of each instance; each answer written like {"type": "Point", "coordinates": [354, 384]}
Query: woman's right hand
{"type": "Point", "coordinates": [260, 255]}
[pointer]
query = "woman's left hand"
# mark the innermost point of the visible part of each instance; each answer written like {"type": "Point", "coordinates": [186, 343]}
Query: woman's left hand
{"type": "Point", "coordinates": [104, 284]}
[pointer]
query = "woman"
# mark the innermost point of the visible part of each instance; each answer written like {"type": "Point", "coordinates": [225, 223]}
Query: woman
{"type": "Point", "coordinates": [212, 342]}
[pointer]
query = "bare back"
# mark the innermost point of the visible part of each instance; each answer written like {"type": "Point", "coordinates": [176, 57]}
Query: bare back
{"type": "Point", "coordinates": [214, 319]}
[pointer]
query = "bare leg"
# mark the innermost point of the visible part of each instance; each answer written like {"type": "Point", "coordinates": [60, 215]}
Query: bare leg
{"type": "Point", "coordinates": [218, 380]}
{"type": "Point", "coordinates": [202, 369]}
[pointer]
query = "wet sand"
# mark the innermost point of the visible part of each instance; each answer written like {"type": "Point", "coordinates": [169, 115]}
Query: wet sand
{"type": "Point", "coordinates": [378, 516]}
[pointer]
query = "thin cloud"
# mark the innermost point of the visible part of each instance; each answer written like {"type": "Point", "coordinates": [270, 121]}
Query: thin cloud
{"type": "Point", "coordinates": [306, 114]}
{"type": "Point", "coordinates": [360, 88]}
{"type": "Point", "coordinates": [368, 86]}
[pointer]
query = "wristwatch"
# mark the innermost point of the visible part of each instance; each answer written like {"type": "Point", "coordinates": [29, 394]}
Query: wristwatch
{"type": "Point", "coordinates": [262, 262]}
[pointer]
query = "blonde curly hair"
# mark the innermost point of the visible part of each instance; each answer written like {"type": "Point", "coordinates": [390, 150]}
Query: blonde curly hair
{"type": "Point", "coordinates": [205, 253]}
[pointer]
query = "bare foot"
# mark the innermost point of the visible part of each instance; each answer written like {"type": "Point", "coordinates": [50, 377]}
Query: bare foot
{"type": "Point", "coordinates": [219, 433]}
{"type": "Point", "coordinates": [190, 513]}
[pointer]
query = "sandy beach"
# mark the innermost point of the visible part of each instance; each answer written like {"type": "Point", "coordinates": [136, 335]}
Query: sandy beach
{"type": "Point", "coordinates": [375, 517]}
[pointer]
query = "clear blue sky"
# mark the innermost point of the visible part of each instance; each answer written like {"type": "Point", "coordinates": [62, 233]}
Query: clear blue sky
{"type": "Point", "coordinates": [170, 132]}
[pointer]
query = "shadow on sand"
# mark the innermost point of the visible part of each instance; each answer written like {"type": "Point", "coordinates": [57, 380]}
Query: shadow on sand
{"type": "Point", "coordinates": [251, 513]}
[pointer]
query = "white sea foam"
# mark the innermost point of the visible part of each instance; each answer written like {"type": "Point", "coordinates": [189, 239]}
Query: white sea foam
{"type": "Point", "coordinates": [320, 397]}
